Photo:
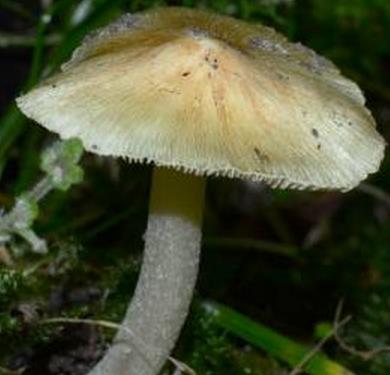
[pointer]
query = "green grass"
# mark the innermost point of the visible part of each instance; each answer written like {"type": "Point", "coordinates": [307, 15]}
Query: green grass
{"type": "Point", "coordinates": [273, 343]}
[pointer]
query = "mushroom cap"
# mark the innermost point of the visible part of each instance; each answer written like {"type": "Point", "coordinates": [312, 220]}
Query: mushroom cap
{"type": "Point", "coordinates": [211, 95]}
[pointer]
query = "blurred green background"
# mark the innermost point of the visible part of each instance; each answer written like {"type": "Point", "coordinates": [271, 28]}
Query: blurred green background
{"type": "Point", "coordinates": [283, 260]}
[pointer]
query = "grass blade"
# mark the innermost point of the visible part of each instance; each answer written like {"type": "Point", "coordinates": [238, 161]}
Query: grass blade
{"type": "Point", "coordinates": [272, 342]}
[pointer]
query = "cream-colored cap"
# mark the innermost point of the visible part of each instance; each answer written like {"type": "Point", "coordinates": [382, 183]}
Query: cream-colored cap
{"type": "Point", "coordinates": [211, 95]}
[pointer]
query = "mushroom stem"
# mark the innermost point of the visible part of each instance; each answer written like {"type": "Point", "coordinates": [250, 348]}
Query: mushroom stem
{"type": "Point", "coordinates": [164, 291]}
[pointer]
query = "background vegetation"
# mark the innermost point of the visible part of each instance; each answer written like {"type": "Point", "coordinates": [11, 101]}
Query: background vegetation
{"type": "Point", "coordinates": [282, 259]}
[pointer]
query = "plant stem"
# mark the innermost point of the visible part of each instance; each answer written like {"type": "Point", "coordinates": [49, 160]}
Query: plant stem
{"type": "Point", "coordinates": [14, 40]}
{"type": "Point", "coordinates": [41, 189]}
{"type": "Point", "coordinates": [168, 275]}
{"type": "Point", "coordinates": [252, 244]}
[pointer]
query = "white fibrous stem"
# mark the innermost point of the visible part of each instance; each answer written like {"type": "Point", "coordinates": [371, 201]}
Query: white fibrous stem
{"type": "Point", "coordinates": [165, 287]}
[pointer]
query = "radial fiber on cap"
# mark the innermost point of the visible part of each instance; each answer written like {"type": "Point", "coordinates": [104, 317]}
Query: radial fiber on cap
{"type": "Point", "coordinates": [211, 95]}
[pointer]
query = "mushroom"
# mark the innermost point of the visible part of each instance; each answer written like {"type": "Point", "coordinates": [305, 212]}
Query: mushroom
{"type": "Point", "coordinates": [198, 94]}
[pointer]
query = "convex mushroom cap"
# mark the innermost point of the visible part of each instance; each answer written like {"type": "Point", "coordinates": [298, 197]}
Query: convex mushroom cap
{"type": "Point", "coordinates": [211, 95]}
